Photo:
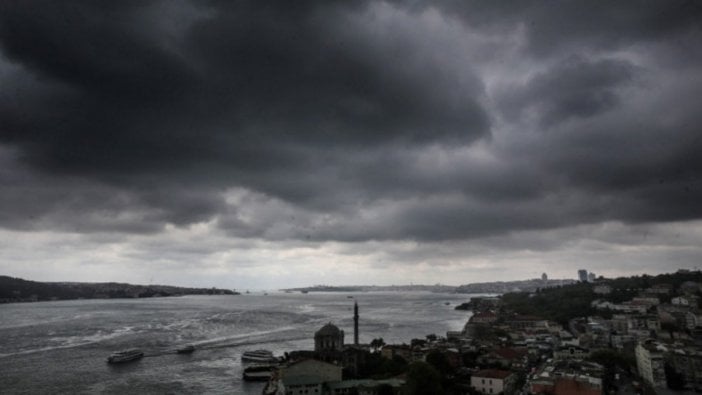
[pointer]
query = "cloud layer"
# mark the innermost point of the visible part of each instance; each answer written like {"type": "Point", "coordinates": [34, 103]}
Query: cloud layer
{"type": "Point", "coordinates": [323, 122]}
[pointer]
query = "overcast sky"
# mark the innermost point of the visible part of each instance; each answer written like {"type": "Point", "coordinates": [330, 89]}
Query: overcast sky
{"type": "Point", "coordinates": [265, 144]}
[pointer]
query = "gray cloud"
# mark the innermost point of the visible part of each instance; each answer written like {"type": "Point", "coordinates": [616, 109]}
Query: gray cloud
{"type": "Point", "coordinates": [573, 88]}
{"type": "Point", "coordinates": [322, 121]}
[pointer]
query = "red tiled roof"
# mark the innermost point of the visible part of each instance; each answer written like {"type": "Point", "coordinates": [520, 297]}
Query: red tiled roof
{"type": "Point", "coordinates": [567, 386]}
{"type": "Point", "coordinates": [527, 318]}
{"type": "Point", "coordinates": [510, 353]}
{"type": "Point", "coordinates": [493, 374]}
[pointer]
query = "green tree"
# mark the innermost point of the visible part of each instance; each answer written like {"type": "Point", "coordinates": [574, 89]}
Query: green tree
{"type": "Point", "coordinates": [418, 343]}
{"type": "Point", "coordinates": [385, 389]}
{"type": "Point", "coordinates": [675, 380]}
{"type": "Point", "coordinates": [377, 344]}
{"type": "Point", "coordinates": [438, 361]}
{"type": "Point", "coordinates": [423, 379]}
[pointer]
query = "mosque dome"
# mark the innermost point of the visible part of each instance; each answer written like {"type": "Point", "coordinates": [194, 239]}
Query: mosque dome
{"type": "Point", "coordinates": [329, 330]}
{"type": "Point", "coordinates": [329, 338]}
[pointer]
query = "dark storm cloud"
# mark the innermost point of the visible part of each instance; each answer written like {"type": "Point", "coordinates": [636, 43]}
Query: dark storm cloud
{"type": "Point", "coordinates": [329, 121]}
{"type": "Point", "coordinates": [576, 26]}
{"type": "Point", "coordinates": [573, 88]}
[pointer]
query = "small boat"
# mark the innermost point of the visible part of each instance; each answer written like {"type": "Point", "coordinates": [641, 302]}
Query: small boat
{"type": "Point", "coordinates": [125, 356]}
{"type": "Point", "coordinates": [260, 356]}
{"type": "Point", "coordinates": [261, 372]}
{"type": "Point", "coordinates": [304, 291]}
{"type": "Point", "coordinates": [187, 349]}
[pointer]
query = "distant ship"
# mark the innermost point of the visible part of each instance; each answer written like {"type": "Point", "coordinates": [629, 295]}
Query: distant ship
{"type": "Point", "coordinates": [261, 356]}
{"type": "Point", "coordinates": [125, 356]}
{"type": "Point", "coordinates": [187, 349]}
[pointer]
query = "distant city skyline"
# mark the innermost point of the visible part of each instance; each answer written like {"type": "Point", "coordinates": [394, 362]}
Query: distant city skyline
{"type": "Point", "coordinates": [255, 145]}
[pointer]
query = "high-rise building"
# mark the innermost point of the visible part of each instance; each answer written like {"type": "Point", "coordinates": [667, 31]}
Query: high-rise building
{"type": "Point", "coordinates": [544, 277]}
{"type": "Point", "coordinates": [650, 363]}
{"type": "Point", "coordinates": [582, 275]}
{"type": "Point", "coordinates": [591, 277]}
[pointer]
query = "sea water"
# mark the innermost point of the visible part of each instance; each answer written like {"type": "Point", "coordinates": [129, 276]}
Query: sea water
{"type": "Point", "coordinates": [61, 347]}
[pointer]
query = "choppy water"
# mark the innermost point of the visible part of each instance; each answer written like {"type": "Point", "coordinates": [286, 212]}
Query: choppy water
{"type": "Point", "coordinates": [60, 347]}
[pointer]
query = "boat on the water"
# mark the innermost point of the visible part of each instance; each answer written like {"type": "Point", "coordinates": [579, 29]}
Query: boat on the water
{"type": "Point", "coordinates": [260, 356]}
{"type": "Point", "coordinates": [259, 372]}
{"type": "Point", "coordinates": [125, 356]}
{"type": "Point", "coordinates": [187, 349]}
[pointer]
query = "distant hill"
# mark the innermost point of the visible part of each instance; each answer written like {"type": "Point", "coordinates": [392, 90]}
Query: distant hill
{"type": "Point", "coordinates": [511, 286]}
{"type": "Point", "coordinates": [18, 290]}
{"type": "Point", "coordinates": [372, 288]}
{"type": "Point", "coordinates": [561, 304]}
{"type": "Point", "coordinates": [487, 287]}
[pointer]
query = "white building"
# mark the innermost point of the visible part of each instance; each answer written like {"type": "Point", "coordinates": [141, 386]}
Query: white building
{"type": "Point", "coordinates": [602, 289]}
{"type": "Point", "coordinates": [307, 377]}
{"type": "Point", "coordinates": [570, 352]}
{"type": "Point", "coordinates": [492, 381]}
{"type": "Point", "coordinates": [650, 363]}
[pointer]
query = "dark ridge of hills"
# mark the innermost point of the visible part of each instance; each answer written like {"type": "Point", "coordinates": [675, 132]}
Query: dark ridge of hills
{"type": "Point", "coordinates": [19, 290]}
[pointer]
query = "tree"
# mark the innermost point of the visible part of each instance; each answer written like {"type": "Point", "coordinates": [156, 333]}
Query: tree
{"type": "Point", "coordinates": [423, 379]}
{"type": "Point", "coordinates": [431, 337]}
{"type": "Point", "coordinates": [385, 389]}
{"type": "Point", "coordinates": [418, 343]}
{"type": "Point", "coordinates": [377, 344]}
{"type": "Point", "coordinates": [438, 360]}
{"type": "Point", "coordinates": [675, 380]}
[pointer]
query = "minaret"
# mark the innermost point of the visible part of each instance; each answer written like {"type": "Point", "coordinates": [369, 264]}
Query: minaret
{"type": "Point", "coordinates": [355, 323]}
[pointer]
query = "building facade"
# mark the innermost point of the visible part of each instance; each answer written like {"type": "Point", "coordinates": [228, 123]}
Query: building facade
{"type": "Point", "coordinates": [493, 381]}
{"type": "Point", "coordinates": [650, 363]}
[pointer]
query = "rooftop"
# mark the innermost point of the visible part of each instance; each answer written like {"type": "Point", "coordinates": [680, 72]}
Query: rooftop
{"type": "Point", "coordinates": [328, 330]}
{"type": "Point", "coordinates": [493, 373]}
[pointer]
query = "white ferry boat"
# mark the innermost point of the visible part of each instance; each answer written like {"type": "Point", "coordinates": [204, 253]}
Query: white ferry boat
{"type": "Point", "coordinates": [260, 356]}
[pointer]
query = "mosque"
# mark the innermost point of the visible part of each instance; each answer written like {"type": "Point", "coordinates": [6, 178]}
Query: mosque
{"type": "Point", "coordinates": [329, 347]}
{"type": "Point", "coordinates": [330, 339]}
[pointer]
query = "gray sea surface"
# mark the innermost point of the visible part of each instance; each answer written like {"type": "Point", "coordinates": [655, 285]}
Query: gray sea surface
{"type": "Point", "coordinates": [61, 347]}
